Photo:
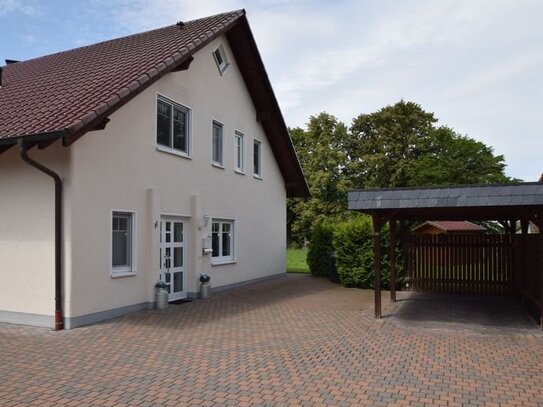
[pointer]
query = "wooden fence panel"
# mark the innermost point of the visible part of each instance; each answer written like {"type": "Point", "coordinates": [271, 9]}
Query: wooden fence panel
{"type": "Point", "coordinates": [460, 264]}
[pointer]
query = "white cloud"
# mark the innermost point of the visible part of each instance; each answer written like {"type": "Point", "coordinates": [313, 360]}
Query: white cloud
{"type": "Point", "coordinates": [140, 15]}
{"type": "Point", "coordinates": [10, 6]}
{"type": "Point", "coordinates": [475, 64]}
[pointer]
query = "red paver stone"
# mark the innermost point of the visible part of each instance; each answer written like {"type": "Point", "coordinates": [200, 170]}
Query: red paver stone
{"type": "Point", "coordinates": [286, 342]}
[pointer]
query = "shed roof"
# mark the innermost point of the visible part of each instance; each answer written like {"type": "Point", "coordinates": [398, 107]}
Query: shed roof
{"type": "Point", "coordinates": [515, 200]}
{"type": "Point", "coordinates": [452, 226]}
{"type": "Point", "coordinates": [67, 94]}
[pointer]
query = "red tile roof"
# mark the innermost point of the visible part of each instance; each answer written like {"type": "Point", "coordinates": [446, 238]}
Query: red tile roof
{"type": "Point", "coordinates": [454, 226]}
{"type": "Point", "coordinates": [67, 90]}
{"type": "Point", "coordinates": [69, 93]}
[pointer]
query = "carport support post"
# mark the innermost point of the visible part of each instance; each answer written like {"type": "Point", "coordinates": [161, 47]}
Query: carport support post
{"type": "Point", "coordinates": [377, 226]}
{"type": "Point", "coordinates": [392, 260]}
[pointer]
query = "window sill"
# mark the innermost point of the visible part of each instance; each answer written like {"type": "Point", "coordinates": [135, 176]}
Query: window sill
{"type": "Point", "coordinates": [122, 273]}
{"type": "Point", "coordinates": [173, 152]}
{"type": "Point", "coordinates": [239, 172]}
{"type": "Point", "coordinates": [223, 262]}
{"type": "Point", "coordinates": [217, 165]}
{"type": "Point", "coordinates": [257, 176]}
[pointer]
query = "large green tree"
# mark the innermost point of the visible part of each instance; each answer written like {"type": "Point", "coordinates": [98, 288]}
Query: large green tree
{"type": "Point", "coordinates": [452, 159]}
{"type": "Point", "coordinates": [400, 145]}
{"type": "Point", "coordinates": [384, 143]}
{"type": "Point", "coordinates": [321, 153]}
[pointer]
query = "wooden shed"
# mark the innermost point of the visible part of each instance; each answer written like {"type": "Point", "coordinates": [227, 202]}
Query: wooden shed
{"type": "Point", "coordinates": [448, 227]}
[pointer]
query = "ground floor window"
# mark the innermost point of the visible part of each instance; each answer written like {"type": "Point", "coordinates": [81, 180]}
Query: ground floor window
{"type": "Point", "coordinates": [222, 240]}
{"type": "Point", "coordinates": [122, 242]}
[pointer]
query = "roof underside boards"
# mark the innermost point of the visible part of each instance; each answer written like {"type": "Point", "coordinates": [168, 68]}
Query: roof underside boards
{"type": "Point", "coordinates": [67, 94]}
{"type": "Point", "coordinates": [471, 202]}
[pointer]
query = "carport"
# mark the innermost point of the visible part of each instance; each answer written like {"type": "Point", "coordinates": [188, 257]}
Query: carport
{"type": "Point", "coordinates": [510, 204]}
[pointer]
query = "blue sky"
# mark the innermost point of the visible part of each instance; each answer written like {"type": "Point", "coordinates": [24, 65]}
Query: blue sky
{"type": "Point", "coordinates": [476, 64]}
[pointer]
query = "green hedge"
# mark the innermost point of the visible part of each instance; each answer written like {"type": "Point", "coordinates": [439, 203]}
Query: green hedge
{"type": "Point", "coordinates": [352, 242]}
{"type": "Point", "coordinates": [320, 246]}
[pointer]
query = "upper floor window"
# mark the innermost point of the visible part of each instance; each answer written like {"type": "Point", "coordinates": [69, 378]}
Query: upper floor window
{"type": "Point", "coordinates": [239, 151]}
{"type": "Point", "coordinates": [217, 144]}
{"type": "Point", "coordinates": [257, 158]}
{"type": "Point", "coordinates": [173, 126]}
{"type": "Point", "coordinates": [221, 59]}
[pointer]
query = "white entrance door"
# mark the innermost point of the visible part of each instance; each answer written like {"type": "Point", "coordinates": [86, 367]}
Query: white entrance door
{"type": "Point", "coordinates": [172, 256]}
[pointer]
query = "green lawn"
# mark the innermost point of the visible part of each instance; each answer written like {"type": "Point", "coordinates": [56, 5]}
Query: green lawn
{"type": "Point", "coordinates": [296, 261]}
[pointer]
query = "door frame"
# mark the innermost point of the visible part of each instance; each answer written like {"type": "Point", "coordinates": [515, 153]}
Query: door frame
{"type": "Point", "coordinates": [184, 220]}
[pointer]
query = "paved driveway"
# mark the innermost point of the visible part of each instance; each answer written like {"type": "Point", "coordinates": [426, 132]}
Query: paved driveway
{"type": "Point", "coordinates": [292, 341]}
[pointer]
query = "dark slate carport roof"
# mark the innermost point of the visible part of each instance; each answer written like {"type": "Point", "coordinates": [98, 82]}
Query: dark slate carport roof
{"type": "Point", "coordinates": [507, 201]}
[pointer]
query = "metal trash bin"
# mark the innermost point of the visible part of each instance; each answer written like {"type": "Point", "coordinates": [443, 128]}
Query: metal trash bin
{"type": "Point", "coordinates": [205, 286]}
{"type": "Point", "coordinates": [161, 296]}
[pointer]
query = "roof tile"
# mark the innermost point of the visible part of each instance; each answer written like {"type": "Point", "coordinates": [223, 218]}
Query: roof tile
{"type": "Point", "coordinates": [54, 92]}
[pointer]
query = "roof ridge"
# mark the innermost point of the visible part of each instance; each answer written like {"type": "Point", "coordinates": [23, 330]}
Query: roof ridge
{"type": "Point", "coordinates": [238, 12]}
{"type": "Point", "coordinates": [162, 67]}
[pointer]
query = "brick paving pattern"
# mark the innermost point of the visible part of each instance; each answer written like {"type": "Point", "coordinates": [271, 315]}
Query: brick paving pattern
{"type": "Point", "coordinates": [295, 341]}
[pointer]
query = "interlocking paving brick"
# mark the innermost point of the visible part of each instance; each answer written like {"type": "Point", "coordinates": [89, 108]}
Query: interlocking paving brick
{"type": "Point", "coordinates": [286, 342]}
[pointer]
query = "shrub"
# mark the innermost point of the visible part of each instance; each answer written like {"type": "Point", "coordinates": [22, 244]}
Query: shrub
{"type": "Point", "coordinates": [353, 244]}
{"type": "Point", "coordinates": [319, 247]}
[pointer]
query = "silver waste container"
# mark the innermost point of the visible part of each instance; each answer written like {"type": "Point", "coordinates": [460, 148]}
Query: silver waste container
{"type": "Point", "coordinates": [161, 296]}
{"type": "Point", "coordinates": [205, 286]}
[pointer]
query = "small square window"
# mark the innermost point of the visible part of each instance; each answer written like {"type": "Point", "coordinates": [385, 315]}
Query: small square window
{"type": "Point", "coordinates": [221, 59]}
{"type": "Point", "coordinates": [222, 241]}
{"type": "Point", "coordinates": [173, 126]}
{"type": "Point", "coordinates": [122, 242]}
{"type": "Point", "coordinates": [257, 158]}
{"type": "Point", "coordinates": [217, 144]}
{"type": "Point", "coordinates": [239, 151]}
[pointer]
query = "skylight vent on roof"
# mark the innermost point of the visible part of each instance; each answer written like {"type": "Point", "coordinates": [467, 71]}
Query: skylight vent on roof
{"type": "Point", "coordinates": [221, 59]}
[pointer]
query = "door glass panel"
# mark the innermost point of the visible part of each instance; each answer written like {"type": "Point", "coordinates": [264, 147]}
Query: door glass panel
{"type": "Point", "coordinates": [178, 257]}
{"type": "Point", "coordinates": [178, 232]}
{"type": "Point", "coordinates": [168, 288]}
{"type": "Point", "coordinates": [168, 226]}
{"type": "Point", "coordinates": [168, 237]}
{"type": "Point", "coordinates": [177, 282]}
{"type": "Point", "coordinates": [167, 256]}
{"type": "Point", "coordinates": [167, 277]}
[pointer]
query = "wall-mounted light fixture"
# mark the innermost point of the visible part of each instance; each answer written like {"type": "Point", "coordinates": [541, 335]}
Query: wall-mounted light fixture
{"type": "Point", "coordinates": [205, 222]}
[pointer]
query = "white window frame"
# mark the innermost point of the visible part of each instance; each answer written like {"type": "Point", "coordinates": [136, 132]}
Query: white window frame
{"type": "Point", "coordinates": [259, 173]}
{"type": "Point", "coordinates": [123, 271]}
{"type": "Point", "coordinates": [219, 164]}
{"type": "Point", "coordinates": [224, 63]}
{"type": "Point", "coordinates": [218, 260]}
{"type": "Point", "coordinates": [239, 155]}
{"type": "Point", "coordinates": [188, 112]}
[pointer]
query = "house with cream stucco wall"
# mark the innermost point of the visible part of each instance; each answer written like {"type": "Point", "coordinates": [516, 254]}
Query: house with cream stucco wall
{"type": "Point", "coordinates": [157, 156]}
